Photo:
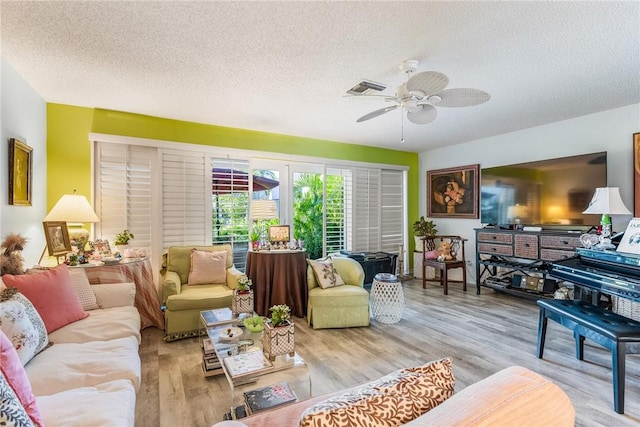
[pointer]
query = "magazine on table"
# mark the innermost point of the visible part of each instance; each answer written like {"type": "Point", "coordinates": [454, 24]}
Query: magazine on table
{"type": "Point", "coordinates": [269, 397]}
{"type": "Point", "coordinates": [630, 242]}
{"type": "Point", "coordinates": [247, 363]}
{"type": "Point", "coordinates": [220, 316]}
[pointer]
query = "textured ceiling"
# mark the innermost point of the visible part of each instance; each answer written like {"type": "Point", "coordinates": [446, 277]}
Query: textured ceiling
{"type": "Point", "coordinates": [284, 67]}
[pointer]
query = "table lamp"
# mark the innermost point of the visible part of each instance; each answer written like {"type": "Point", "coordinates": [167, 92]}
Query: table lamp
{"type": "Point", "coordinates": [264, 210]}
{"type": "Point", "coordinates": [606, 201]}
{"type": "Point", "coordinates": [75, 210]}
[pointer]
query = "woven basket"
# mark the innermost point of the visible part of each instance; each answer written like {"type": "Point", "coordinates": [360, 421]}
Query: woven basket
{"type": "Point", "coordinates": [626, 308]}
{"type": "Point", "coordinates": [278, 340]}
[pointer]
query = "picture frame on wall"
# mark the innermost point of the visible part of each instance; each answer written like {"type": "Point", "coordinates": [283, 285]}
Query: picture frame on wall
{"type": "Point", "coordinates": [636, 175]}
{"type": "Point", "coordinates": [57, 237]}
{"type": "Point", "coordinates": [20, 172]}
{"type": "Point", "coordinates": [453, 192]}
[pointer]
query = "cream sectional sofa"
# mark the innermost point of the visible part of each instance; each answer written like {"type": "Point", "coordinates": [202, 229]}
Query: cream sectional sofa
{"type": "Point", "coordinates": [90, 374]}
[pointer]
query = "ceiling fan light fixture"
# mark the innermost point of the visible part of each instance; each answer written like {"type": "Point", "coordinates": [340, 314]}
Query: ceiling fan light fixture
{"type": "Point", "coordinates": [434, 99]}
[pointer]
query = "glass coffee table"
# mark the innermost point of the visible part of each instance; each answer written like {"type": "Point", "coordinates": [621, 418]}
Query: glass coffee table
{"type": "Point", "coordinates": [228, 338]}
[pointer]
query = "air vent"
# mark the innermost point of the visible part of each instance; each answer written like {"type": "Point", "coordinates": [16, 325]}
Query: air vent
{"type": "Point", "coordinates": [366, 87]}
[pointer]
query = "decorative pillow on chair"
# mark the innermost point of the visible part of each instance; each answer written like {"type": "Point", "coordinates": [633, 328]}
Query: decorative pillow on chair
{"type": "Point", "coordinates": [13, 371]}
{"type": "Point", "coordinates": [326, 274]}
{"type": "Point", "coordinates": [390, 401]}
{"type": "Point", "coordinates": [52, 294]}
{"type": "Point", "coordinates": [22, 324]}
{"type": "Point", "coordinates": [208, 267]}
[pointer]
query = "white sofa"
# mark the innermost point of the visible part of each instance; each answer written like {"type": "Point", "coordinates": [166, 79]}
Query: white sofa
{"type": "Point", "coordinates": [91, 373]}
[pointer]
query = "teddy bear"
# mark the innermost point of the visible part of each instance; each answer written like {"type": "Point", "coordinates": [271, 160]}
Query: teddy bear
{"type": "Point", "coordinates": [445, 252]}
{"type": "Point", "coordinates": [11, 254]}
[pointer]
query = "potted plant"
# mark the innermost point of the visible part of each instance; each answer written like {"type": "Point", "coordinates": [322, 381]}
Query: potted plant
{"type": "Point", "coordinates": [278, 334]}
{"type": "Point", "coordinates": [255, 238]}
{"type": "Point", "coordinates": [121, 241]}
{"type": "Point", "coordinates": [242, 300]}
{"type": "Point", "coordinates": [423, 228]}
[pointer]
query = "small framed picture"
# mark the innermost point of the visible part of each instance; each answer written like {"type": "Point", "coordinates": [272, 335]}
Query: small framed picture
{"type": "Point", "coordinates": [57, 236]}
{"type": "Point", "coordinates": [279, 233]}
{"type": "Point", "coordinates": [20, 173]}
{"type": "Point", "coordinates": [101, 247]}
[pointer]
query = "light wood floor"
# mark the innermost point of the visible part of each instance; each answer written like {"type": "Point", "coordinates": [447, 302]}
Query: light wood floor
{"type": "Point", "coordinates": [483, 334]}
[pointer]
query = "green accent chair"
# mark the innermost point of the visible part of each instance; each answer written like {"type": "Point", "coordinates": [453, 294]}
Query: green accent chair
{"type": "Point", "coordinates": [341, 306]}
{"type": "Point", "coordinates": [183, 302]}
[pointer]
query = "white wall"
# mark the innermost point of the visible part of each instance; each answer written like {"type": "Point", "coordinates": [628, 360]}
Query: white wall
{"type": "Point", "coordinates": [610, 131]}
{"type": "Point", "coordinates": [23, 115]}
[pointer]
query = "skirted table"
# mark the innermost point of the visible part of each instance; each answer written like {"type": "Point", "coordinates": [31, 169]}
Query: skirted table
{"type": "Point", "coordinates": [279, 277]}
{"type": "Point", "coordinates": [139, 272]}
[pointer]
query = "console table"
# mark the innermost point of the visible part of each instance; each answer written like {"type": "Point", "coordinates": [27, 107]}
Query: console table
{"type": "Point", "coordinates": [279, 277]}
{"type": "Point", "coordinates": [139, 272]}
{"type": "Point", "coordinates": [500, 254]}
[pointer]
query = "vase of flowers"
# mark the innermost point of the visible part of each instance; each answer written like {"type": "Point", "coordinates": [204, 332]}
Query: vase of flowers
{"type": "Point", "coordinates": [278, 334]}
{"type": "Point", "coordinates": [242, 300]}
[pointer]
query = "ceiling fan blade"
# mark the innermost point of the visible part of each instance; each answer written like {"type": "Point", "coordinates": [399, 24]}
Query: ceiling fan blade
{"type": "Point", "coordinates": [377, 113]}
{"type": "Point", "coordinates": [428, 82]}
{"type": "Point", "coordinates": [460, 97]}
{"type": "Point", "coordinates": [425, 114]}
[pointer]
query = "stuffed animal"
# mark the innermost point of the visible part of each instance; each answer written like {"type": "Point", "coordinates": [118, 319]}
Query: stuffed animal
{"type": "Point", "coordinates": [444, 252]}
{"type": "Point", "coordinates": [11, 256]}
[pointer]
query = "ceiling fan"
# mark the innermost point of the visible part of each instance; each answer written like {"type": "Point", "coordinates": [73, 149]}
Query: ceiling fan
{"type": "Point", "coordinates": [421, 94]}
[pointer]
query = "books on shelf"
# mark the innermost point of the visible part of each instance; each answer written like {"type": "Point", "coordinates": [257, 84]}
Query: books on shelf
{"type": "Point", "coordinates": [220, 316]}
{"type": "Point", "coordinates": [268, 397]}
{"type": "Point", "coordinates": [247, 363]}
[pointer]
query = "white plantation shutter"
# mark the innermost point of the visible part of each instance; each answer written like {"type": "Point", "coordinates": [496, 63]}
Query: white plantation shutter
{"type": "Point", "coordinates": [123, 191]}
{"type": "Point", "coordinates": [366, 210]}
{"type": "Point", "coordinates": [392, 211]}
{"type": "Point", "coordinates": [186, 198]}
{"type": "Point", "coordinates": [230, 212]}
{"type": "Point", "coordinates": [339, 204]}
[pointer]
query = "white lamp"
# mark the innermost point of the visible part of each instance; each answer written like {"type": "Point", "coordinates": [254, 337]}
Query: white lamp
{"type": "Point", "coordinates": [264, 210]}
{"type": "Point", "coordinates": [75, 210]}
{"type": "Point", "coordinates": [606, 201]}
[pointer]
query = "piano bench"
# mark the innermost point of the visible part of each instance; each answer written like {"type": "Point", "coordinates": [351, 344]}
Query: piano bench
{"type": "Point", "coordinates": [610, 330]}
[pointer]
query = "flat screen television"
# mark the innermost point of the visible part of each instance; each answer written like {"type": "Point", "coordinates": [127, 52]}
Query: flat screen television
{"type": "Point", "coordinates": [547, 192]}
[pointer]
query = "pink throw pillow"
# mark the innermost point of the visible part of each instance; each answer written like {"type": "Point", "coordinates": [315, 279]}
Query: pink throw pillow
{"type": "Point", "coordinates": [15, 374]}
{"type": "Point", "coordinates": [431, 255]}
{"type": "Point", "coordinates": [208, 267]}
{"type": "Point", "coordinates": [52, 294]}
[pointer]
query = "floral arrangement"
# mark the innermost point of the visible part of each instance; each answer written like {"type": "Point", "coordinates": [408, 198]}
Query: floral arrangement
{"type": "Point", "coordinates": [280, 314]}
{"type": "Point", "coordinates": [244, 283]}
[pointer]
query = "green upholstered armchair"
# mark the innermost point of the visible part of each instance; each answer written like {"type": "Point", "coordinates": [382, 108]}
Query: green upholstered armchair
{"type": "Point", "coordinates": [183, 302]}
{"type": "Point", "coordinates": [341, 306]}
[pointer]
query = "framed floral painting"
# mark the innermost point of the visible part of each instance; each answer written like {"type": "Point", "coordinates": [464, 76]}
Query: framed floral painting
{"type": "Point", "coordinates": [453, 192]}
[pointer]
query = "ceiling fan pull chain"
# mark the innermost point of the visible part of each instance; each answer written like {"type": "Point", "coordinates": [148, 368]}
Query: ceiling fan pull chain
{"type": "Point", "coordinates": [402, 125]}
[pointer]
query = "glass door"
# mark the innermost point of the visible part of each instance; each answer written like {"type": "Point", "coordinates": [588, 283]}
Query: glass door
{"type": "Point", "coordinates": [308, 209]}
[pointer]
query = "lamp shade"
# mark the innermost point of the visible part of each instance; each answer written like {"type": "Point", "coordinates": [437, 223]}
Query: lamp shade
{"type": "Point", "coordinates": [264, 209]}
{"type": "Point", "coordinates": [72, 208]}
{"type": "Point", "coordinates": [607, 200]}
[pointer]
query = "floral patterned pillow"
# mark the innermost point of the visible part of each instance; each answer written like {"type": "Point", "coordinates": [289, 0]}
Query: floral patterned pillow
{"type": "Point", "coordinates": [326, 274]}
{"type": "Point", "coordinates": [392, 400]}
{"type": "Point", "coordinates": [22, 324]}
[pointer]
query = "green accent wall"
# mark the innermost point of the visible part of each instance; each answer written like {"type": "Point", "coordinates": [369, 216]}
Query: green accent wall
{"type": "Point", "coordinates": [69, 150]}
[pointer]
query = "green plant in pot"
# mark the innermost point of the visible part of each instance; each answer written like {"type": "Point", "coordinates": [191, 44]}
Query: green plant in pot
{"type": "Point", "coordinates": [244, 284]}
{"type": "Point", "coordinates": [280, 315]}
{"type": "Point", "coordinates": [423, 228]}
{"type": "Point", "coordinates": [123, 238]}
{"type": "Point", "coordinates": [255, 237]}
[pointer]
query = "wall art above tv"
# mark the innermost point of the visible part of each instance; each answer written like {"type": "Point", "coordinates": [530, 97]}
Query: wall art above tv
{"type": "Point", "coordinates": [545, 192]}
